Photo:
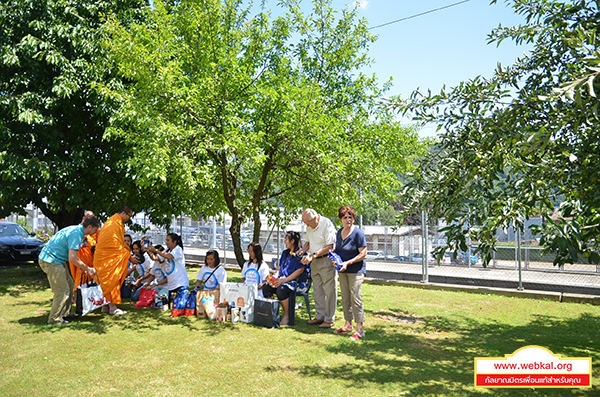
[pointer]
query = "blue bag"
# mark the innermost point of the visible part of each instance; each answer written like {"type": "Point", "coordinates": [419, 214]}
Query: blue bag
{"type": "Point", "coordinates": [190, 307]}
{"type": "Point", "coordinates": [180, 299]}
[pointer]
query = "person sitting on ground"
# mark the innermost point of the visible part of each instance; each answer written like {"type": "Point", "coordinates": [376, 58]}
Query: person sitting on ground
{"type": "Point", "coordinates": [128, 240]}
{"type": "Point", "coordinates": [212, 274]}
{"type": "Point", "coordinates": [177, 277]}
{"type": "Point", "coordinates": [142, 269]}
{"type": "Point", "coordinates": [290, 268]}
{"type": "Point", "coordinates": [255, 270]}
{"type": "Point", "coordinates": [156, 277]}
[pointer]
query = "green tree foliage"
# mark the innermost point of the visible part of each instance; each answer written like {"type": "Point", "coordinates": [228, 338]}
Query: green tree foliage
{"type": "Point", "coordinates": [52, 121]}
{"type": "Point", "coordinates": [252, 113]}
{"type": "Point", "coordinates": [516, 143]}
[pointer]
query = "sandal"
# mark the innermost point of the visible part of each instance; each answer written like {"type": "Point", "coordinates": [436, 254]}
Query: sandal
{"type": "Point", "coordinates": [356, 337]}
{"type": "Point", "coordinates": [340, 331]}
{"type": "Point", "coordinates": [117, 312]}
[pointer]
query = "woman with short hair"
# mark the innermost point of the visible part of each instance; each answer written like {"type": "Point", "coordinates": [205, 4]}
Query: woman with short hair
{"type": "Point", "coordinates": [351, 246]}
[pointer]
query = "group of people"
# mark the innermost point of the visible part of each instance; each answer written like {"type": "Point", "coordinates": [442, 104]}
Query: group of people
{"type": "Point", "coordinates": [350, 244]}
{"type": "Point", "coordinates": [108, 255]}
{"type": "Point", "coordinates": [92, 253]}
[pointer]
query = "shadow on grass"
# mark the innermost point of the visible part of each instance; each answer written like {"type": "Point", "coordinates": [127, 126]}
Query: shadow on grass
{"type": "Point", "coordinates": [17, 280]}
{"type": "Point", "coordinates": [419, 359]}
{"type": "Point", "coordinates": [139, 320]}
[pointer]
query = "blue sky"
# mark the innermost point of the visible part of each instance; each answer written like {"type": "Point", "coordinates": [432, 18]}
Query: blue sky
{"type": "Point", "coordinates": [440, 48]}
{"type": "Point", "coordinates": [443, 47]}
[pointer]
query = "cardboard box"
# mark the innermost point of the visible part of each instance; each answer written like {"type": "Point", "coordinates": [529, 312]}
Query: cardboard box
{"type": "Point", "coordinates": [243, 295]}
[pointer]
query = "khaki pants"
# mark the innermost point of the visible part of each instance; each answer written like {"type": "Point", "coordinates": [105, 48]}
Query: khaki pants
{"type": "Point", "coordinates": [351, 285]}
{"type": "Point", "coordinates": [324, 279]}
{"type": "Point", "coordinates": [62, 285]}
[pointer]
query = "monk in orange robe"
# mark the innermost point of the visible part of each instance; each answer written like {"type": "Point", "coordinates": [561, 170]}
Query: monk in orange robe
{"type": "Point", "coordinates": [85, 254]}
{"type": "Point", "coordinates": [112, 257]}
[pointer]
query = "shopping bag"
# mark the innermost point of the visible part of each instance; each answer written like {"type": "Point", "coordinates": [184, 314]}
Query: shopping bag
{"type": "Point", "coordinates": [89, 297]}
{"type": "Point", "coordinates": [266, 312]}
{"type": "Point", "coordinates": [180, 297]}
{"type": "Point", "coordinates": [161, 299]}
{"type": "Point", "coordinates": [215, 294]}
{"type": "Point", "coordinates": [243, 296]}
{"type": "Point", "coordinates": [146, 298]}
{"type": "Point", "coordinates": [190, 306]}
{"type": "Point", "coordinates": [208, 306]}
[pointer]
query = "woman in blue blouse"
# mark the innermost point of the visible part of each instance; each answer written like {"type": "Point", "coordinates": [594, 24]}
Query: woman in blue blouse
{"type": "Point", "coordinates": [290, 268]}
{"type": "Point", "coordinates": [351, 246]}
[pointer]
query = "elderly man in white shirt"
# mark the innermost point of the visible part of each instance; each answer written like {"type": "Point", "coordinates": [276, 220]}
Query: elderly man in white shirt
{"type": "Point", "coordinates": [320, 238]}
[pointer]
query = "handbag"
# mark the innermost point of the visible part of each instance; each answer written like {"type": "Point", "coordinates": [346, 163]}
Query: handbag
{"type": "Point", "coordinates": [89, 297]}
{"type": "Point", "coordinates": [266, 313]}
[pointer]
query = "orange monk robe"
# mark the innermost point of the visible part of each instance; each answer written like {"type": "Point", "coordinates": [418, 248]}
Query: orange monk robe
{"type": "Point", "coordinates": [111, 258]}
{"type": "Point", "coordinates": [87, 256]}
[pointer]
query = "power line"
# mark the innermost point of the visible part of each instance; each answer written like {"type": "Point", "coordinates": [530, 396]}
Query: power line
{"type": "Point", "coordinates": [418, 15]}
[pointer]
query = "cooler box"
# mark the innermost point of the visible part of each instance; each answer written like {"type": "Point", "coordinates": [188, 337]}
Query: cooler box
{"type": "Point", "coordinates": [243, 295]}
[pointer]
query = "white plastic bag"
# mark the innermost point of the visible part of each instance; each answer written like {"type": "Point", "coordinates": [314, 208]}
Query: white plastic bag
{"type": "Point", "coordinates": [89, 298]}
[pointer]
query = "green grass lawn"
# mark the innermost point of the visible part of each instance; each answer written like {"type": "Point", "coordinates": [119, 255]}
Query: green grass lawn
{"type": "Point", "coordinates": [418, 343]}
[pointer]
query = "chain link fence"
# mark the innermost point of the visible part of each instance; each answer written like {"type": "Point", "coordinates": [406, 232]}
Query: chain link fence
{"type": "Point", "coordinates": [399, 253]}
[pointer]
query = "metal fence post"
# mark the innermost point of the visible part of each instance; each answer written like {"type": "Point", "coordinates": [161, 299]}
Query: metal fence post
{"type": "Point", "coordinates": [425, 250]}
{"type": "Point", "coordinates": [385, 245]}
{"type": "Point", "coordinates": [224, 241]}
{"type": "Point", "coordinates": [518, 235]}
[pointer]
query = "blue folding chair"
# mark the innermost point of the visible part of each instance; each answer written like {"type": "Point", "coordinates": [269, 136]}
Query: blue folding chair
{"type": "Point", "coordinates": [292, 301]}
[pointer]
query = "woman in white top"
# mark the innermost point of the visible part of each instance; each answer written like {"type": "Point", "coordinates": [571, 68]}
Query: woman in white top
{"type": "Point", "coordinates": [212, 274]}
{"type": "Point", "coordinates": [144, 267]}
{"type": "Point", "coordinates": [255, 270]}
{"type": "Point", "coordinates": [155, 277]}
{"type": "Point", "coordinates": [177, 277]}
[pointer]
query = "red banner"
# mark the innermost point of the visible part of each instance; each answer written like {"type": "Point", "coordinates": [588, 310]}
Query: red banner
{"type": "Point", "coordinates": [533, 380]}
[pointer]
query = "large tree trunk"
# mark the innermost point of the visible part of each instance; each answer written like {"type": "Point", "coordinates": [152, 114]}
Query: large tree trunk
{"type": "Point", "coordinates": [236, 224]}
{"type": "Point", "coordinates": [257, 224]}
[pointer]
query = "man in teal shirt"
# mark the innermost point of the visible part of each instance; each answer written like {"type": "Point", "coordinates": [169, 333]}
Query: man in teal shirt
{"type": "Point", "coordinates": [54, 261]}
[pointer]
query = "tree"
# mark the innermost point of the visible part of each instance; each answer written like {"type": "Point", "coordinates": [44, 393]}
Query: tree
{"type": "Point", "coordinates": [505, 155]}
{"type": "Point", "coordinates": [255, 113]}
{"type": "Point", "coordinates": [52, 120]}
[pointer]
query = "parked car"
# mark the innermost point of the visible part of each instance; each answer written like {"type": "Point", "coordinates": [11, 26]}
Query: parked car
{"type": "Point", "coordinates": [418, 257]}
{"type": "Point", "coordinates": [446, 259]}
{"type": "Point", "coordinates": [403, 258]}
{"type": "Point", "coordinates": [17, 244]}
{"type": "Point", "coordinates": [461, 258]}
{"type": "Point", "coordinates": [388, 258]}
{"type": "Point", "coordinates": [375, 255]}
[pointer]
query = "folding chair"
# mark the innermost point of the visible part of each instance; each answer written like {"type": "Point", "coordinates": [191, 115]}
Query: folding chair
{"type": "Point", "coordinates": [292, 301]}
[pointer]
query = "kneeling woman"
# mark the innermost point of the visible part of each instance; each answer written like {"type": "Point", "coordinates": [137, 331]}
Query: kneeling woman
{"type": "Point", "coordinates": [290, 268]}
